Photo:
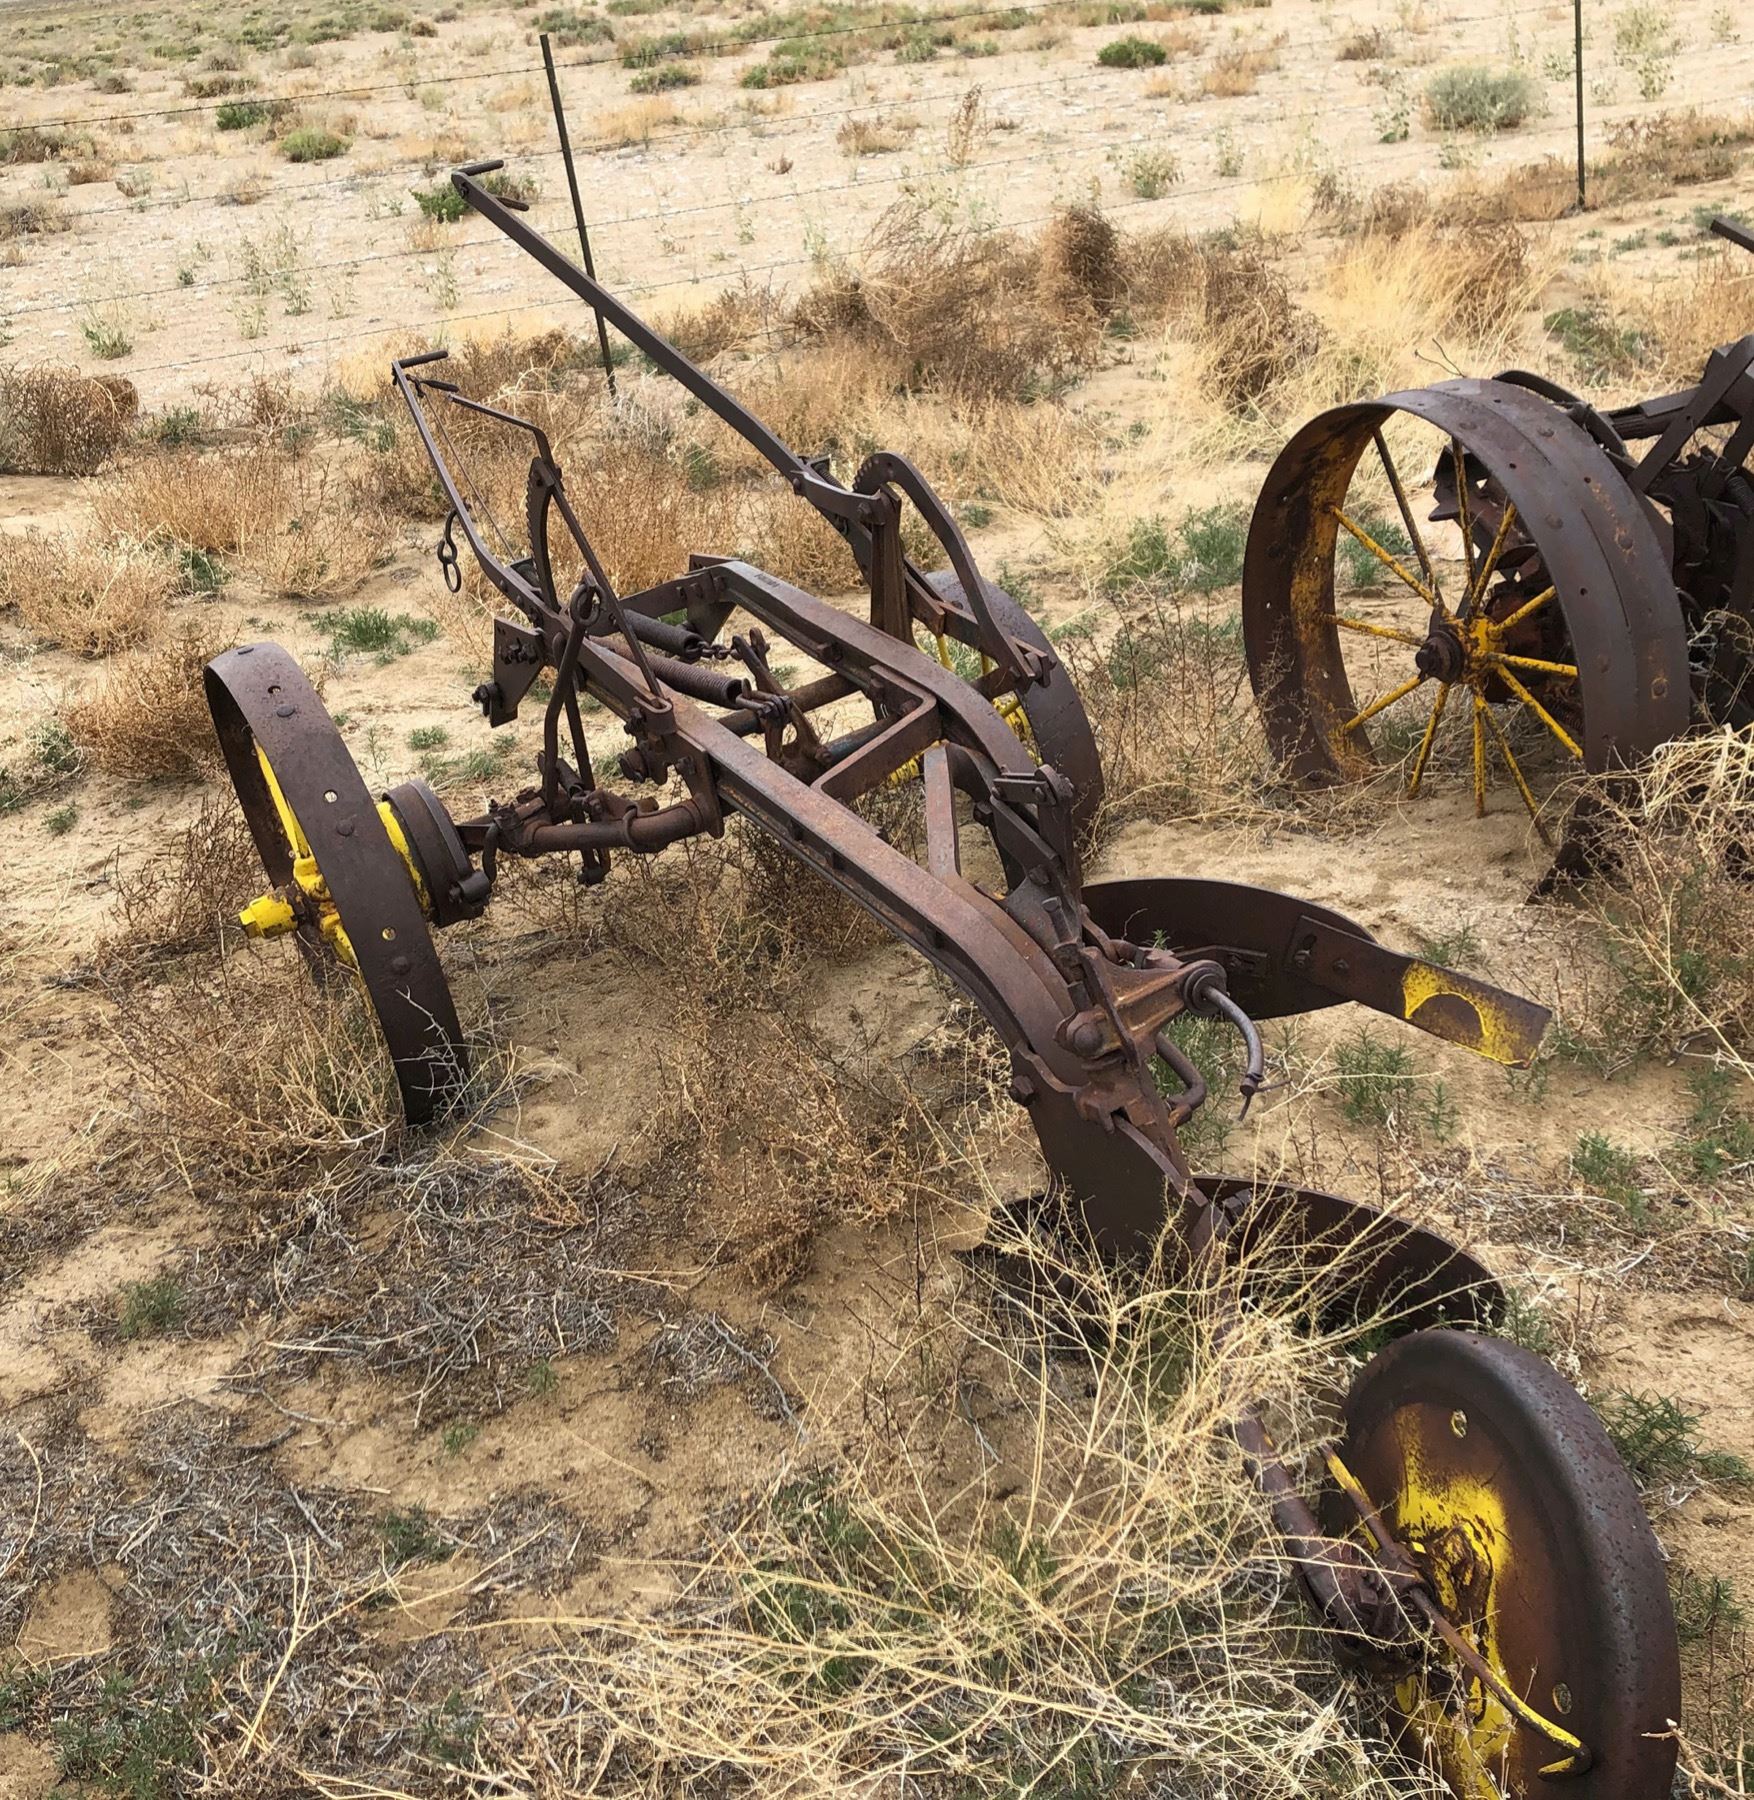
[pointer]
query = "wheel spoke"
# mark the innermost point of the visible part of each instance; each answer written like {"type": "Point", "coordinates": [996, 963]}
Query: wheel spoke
{"type": "Point", "coordinates": [1380, 704]}
{"type": "Point", "coordinates": [1464, 511]}
{"type": "Point", "coordinates": [1418, 771]}
{"type": "Point", "coordinates": [1540, 712]}
{"type": "Point", "coordinates": [1406, 510]}
{"type": "Point", "coordinates": [1516, 775]}
{"type": "Point", "coordinates": [1567, 670]}
{"type": "Point", "coordinates": [1388, 560]}
{"type": "Point", "coordinates": [1477, 588]}
{"type": "Point", "coordinates": [1501, 626]}
{"type": "Point", "coordinates": [1382, 631]}
{"type": "Point", "coordinates": [1479, 759]}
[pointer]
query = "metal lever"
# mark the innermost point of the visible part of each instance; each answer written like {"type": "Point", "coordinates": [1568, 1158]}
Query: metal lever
{"type": "Point", "coordinates": [1732, 232]}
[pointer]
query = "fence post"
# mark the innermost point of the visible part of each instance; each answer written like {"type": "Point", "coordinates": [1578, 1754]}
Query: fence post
{"type": "Point", "coordinates": [1577, 25]}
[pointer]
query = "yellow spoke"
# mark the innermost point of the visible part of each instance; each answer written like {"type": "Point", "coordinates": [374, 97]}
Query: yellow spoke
{"type": "Point", "coordinates": [1387, 700]}
{"type": "Point", "coordinates": [1479, 759]}
{"type": "Point", "coordinates": [1389, 561]}
{"type": "Point", "coordinates": [288, 820]}
{"type": "Point", "coordinates": [1381, 631]}
{"type": "Point", "coordinates": [1400, 493]}
{"type": "Point", "coordinates": [1540, 712]}
{"type": "Point", "coordinates": [1477, 589]}
{"type": "Point", "coordinates": [1429, 739]}
{"type": "Point", "coordinates": [1516, 775]}
{"type": "Point", "coordinates": [1568, 670]}
{"type": "Point", "coordinates": [1464, 512]}
{"type": "Point", "coordinates": [1501, 626]}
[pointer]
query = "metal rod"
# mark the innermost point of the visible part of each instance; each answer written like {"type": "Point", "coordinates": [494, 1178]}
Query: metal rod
{"type": "Point", "coordinates": [578, 209]}
{"type": "Point", "coordinates": [1577, 59]}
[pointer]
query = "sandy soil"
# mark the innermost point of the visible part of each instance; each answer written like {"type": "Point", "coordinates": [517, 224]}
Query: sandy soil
{"type": "Point", "coordinates": [737, 180]}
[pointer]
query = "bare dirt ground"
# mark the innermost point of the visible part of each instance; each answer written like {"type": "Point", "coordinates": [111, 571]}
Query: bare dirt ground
{"type": "Point", "coordinates": [344, 1460]}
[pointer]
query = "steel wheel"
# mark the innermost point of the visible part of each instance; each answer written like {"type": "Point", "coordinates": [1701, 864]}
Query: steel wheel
{"type": "Point", "coordinates": [1048, 716]}
{"type": "Point", "coordinates": [346, 877]}
{"type": "Point", "coordinates": [1499, 1481]}
{"type": "Point", "coordinates": [1530, 610]}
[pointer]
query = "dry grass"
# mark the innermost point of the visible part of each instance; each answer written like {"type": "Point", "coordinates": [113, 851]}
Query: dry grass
{"type": "Point", "coordinates": [1675, 904]}
{"type": "Point", "coordinates": [1237, 72]}
{"type": "Point", "coordinates": [945, 1600]}
{"type": "Point", "coordinates": [149, 718]}
{"type": "Point", "coordinates": [1711, 304]}
{"type": "Point", "coordinates": [730, 937]}
{"type": "Point", "coordinates": [879, 136]}
{"type": "Point", "coordinates": [293, 522]}
{"type": "Point", "coordinates": [960, 310]}
{"type": "Point", "coordinates": [83, 592]}
{"type": "Point", "coordinates": [187, 893]}
{"type": "Point", "coordinates": [1167, 691]}
{"type": "Point", "coordinates": [58, 422]}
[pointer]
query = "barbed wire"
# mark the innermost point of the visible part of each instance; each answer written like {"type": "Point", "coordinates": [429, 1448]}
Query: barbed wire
{"type": "Point", "coordinates": [563, 301]}
{"type": "Point", "coordinates": [689, 133]}
{"type": "Point", "coordinates": [862, 184]}
{"type": "Point", "coordinates": [561, 212]}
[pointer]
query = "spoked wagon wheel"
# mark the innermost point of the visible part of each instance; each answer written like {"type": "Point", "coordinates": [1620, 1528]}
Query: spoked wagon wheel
{"type": "Point", "coordinates": [352, 877]}
{"type": "Point", "coordinates": [1494, 576]}
{"type": "Point", "coordinates": [1498, 1480]}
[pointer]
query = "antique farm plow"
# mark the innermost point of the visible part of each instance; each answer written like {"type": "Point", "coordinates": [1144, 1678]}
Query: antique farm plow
{"type": "Point", "coordinates": [1476, 1537]}
{"type": "Point", "coordinates": [1602, 599]}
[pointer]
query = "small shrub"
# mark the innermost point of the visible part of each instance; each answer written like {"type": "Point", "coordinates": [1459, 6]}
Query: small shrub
{"type": "Point", "coordinates": [151, 1308]}
{"type": "Point", "coordinates": [567, 26]}
{"type": "Point", "coordinates": [1374, 1079]}
{"type": "Point", "coordinates": [1605, 1169]}
{"type": "Point", "coordinates": [665, 78]}
{"type": "Point", "coordinates": [1480, 99]}
{"type": "Point", "coordinates": [371, 631]}
{"type": "Point", "coordinates": [795, 60]}
{"type": "Point", "coordinates": [1132, 53]}
{"type": "Point", "coordinates": [1152, 173]}
{"type": "Point", "coordinates": [108, 335]}
{"type": "Point", "coordinates": [239, 115]}
{"type": "Point", "coordinates": [1237, 72]}
{"type": "Point", "coordinates": [410, 1536]}
{"type": "Point", "coordinates": [1658, 1440]}
{"type": "Point", "coordinates": [312, 144]}
{"type": "Point", "coordinates": [149, 719]}
{"type": "Point", "coordinates": [61, 821]}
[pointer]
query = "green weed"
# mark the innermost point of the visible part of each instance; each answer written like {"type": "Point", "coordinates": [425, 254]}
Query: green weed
{"type": "Point", "coordinates": [151, 1308]}
{"type": "Point", "coordinates": [1658, 1440]}
{"type": "Point", "coordinates": [1373, 1079]}
{"type": "Point", "coordinates": [1132, 53]}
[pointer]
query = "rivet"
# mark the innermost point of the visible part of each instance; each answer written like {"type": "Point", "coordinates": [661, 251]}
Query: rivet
{"type": "Point", "coordinates": [344, 829]}
{"type": "Point", "coordinates": [1561, 1697]}
{"type": "Point", "coordinates": [284, 712]}
{"type": "Point", "coordinates": [399, 965]}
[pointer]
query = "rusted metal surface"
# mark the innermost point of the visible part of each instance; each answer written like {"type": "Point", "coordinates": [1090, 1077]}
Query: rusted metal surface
{"type": "Point", "coordinates": [265, 711]}
{"type": "Point", "coordinates": [1596, 547]}
{"type": "Point", "coordinates": [1082, 983]}
{"type": "Point", "coordinates": [1608, 591]}
{"type": "Point", "coordinates": [1487, 1469]}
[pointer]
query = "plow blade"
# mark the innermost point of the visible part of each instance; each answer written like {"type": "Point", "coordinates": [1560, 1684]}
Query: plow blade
{"type": "Point", "coordinates": [1284, 955]}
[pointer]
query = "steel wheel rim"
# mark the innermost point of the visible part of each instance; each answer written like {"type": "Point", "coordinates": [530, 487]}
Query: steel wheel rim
{"type": "Point", "coordinates": [297, 784]}
{"type": "Point", "coordinates": [1609, 589]}
{"type": "Point", "coordinates": [1498, 1479]}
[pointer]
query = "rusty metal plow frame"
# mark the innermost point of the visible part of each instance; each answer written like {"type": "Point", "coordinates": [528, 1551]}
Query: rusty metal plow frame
{"type": "Point", "coordinates": [1080, 981]}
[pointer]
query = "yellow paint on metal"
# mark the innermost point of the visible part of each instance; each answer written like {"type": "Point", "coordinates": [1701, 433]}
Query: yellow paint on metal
{"type": "Point", "coordinates": [1430, 738]}
{"type": "Point", "coordinates": [1454, 1526]}
{"type": "Point", "coordinates": [1504, 1036]}
{"type": "Point", "coordinates": [272, 915]}
{"type": "Point", "coordinates": [1383, 701]}
{"type": "Point", "coordinates": [1389, 560]}
{"type": "Point", "coordinates": [268, 916]}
